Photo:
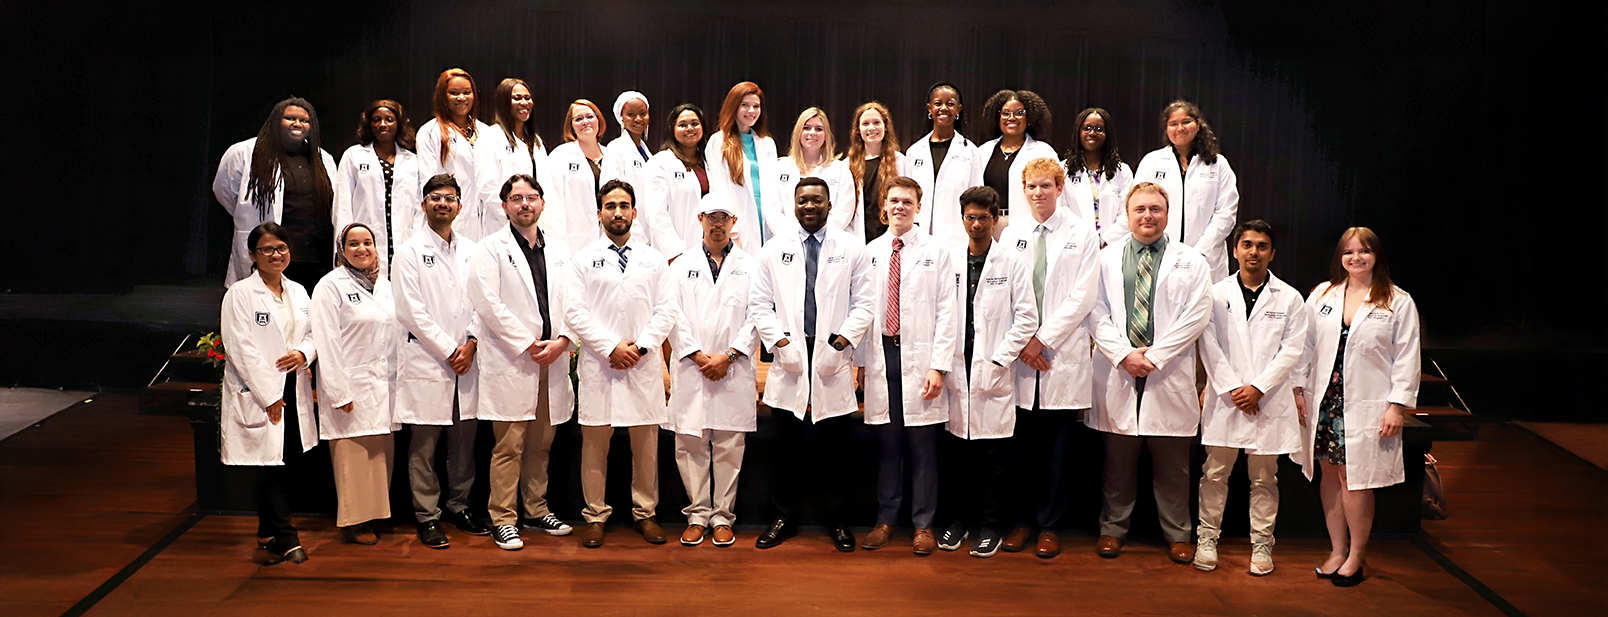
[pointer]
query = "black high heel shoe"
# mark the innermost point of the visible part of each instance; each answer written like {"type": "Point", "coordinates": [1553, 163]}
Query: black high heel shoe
{"type": "Point", "coordinates": [1321, 574]}
{"type": "Point", "coordinates": [1341, 580]}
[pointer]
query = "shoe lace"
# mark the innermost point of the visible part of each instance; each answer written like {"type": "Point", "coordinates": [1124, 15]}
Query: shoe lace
{"type": "Point", "coordinates": [1262, 552]}
{"type": "Point", "coordinates": [550, 520]}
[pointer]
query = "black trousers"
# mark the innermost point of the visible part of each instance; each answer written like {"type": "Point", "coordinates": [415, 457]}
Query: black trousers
{"type": "Point", "coordinates": [1042, 444]}
{"type": "Point", "coordinates": [897, 444]}
{"type": "Point", "coordinates": [970, 474]}
{"type": "Point", "coordinates": [810, 463]}
{"type": "Point", "coordinates": [272, 481]}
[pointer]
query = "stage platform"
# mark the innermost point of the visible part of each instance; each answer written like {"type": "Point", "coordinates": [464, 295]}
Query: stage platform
{"type": "Point", "coordinates": [98, 518]}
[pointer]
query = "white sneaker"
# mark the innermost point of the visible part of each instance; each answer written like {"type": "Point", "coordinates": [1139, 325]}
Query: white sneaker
{"type": "Point", "coordinates": [1206, 554]}
{"type": "Point", "coordinates": [507, 537]}
{"type": "Point", "coordinates": [1261, 559]}
{"type": "Point", "coordinates": [548, 524]}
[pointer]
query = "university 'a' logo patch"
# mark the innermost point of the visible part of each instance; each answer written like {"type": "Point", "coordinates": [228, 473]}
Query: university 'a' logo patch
{"type": "Point", "coordinates": [262, 318]}
{"type": "Point", "coordinates": [681, 175]}
{"type": "Point", "coordinates": [787, 258]}
{"type": "Point", "coordinates": [920, 162]}
{"type": "Point", "coordinates": [354, 298]}
{"type": "Point", "coordinates": [1021, 245]}
{"type": "Point", "coordinates": [1326, 310]}
{"type": "Point", "coordinates": [598, 263]}
{"type": "Point", "coordinates": [511, 261]}
{"type": "Point", "coordinates": [574, 167]}
{"type": "Point", "coordinates": [1161, 175]}
{"type": "Point", "coordinates": [786, 176]}
{"type": "Point", "coordinates": [429, 261]}
{"type": "Point", "coordinates": [692, 275]}
{"type": "Point", "coordinates": [362, 167]}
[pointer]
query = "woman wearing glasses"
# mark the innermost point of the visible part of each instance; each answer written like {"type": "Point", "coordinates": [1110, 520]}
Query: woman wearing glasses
{"type": "Point", "coordinates": [677, 179]}
{"type": "Point", "coordinates": [812, 154]}
{"type": "Point", "coordinates": [1017, 120]}
{"type": "Point", "coordinates": [874, 160]}
{"type": "Point", "coordinates": [447, 143]}
{"type": "Point", "coordinates": [941, 162]}
{"type": "Point", "coordinates": [1096, 177]}
{"type": "Point", "coordinates": [511, 147]}
{"type": "Point", "coordinates": [573, 173]}
{"type": "Point", "coordinates": [1201, 184]}
{"type": "Point", "coordinates": [740, 156]}
{"type": "Point", "coordinates": [266, 417]}
{"type": "Point", "coordinates": [379, 178]}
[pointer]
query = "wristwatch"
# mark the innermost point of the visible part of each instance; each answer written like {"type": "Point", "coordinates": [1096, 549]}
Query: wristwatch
{"type": "Point", "coordinates": [732, 355]}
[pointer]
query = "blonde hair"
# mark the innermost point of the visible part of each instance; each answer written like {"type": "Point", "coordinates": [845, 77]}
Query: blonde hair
{"type": "Point", "coordinates": [796, 148]}
{"type": "Point", "coordinates": [1044, 166]}
{"type": "Point", "coordinates": [1147, 187]}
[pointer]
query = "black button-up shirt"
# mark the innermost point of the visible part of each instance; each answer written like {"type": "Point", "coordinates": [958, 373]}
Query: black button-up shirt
{"type": "Point", "coordinates": [537, 259]}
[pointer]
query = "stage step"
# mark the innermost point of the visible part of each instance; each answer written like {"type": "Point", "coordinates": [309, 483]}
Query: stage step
{"type": "Point", "coordinates": [174, 398]}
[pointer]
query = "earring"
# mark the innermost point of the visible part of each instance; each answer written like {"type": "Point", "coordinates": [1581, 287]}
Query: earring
{"type": "Point", "coordinates": [929, 115]}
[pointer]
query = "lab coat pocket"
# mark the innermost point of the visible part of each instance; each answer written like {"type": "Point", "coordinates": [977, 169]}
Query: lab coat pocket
{"type": "Point", "coordinates": [791, 357]}
{"type": "Point", "coordinates": [995, 379]}
{"type": "Point", "coordinates": [832, 361]}
{"type": "Point", "coordinates": [247, 414]}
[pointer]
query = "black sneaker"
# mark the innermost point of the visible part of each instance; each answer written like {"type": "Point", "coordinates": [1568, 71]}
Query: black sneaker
{"type": "Point", "coordinates": [507, 537]}
{"type": "Point", "coordinates": [954, 536]}
{"type": "Point", "coordinates": [987, 543]}
{"type": "Point", "coordinates": [466, 523]}
{"type": "Point", "coordinates": [430, 535]}
{"type": "Point", "coordinates": [547, 523]}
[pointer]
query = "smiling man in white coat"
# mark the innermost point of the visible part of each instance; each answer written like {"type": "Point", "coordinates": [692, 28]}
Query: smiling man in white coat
{"type": "Point", "coordinates": [1054, 377]}
{"type": "Point", "coordinates": [517, 293]}
{"type": "Point", "coordinates": [1154, 302]}
{"type": "Point", "coordinates": [436, 382]}
{"type": "Point", "coordinates": [1251, 349]}
{"type": "Point", "coordinates": [619, 307]}
{"type": "Point", "coordinates": [714, 386]}
{"type": "Point", "coordinates": [812, 303]}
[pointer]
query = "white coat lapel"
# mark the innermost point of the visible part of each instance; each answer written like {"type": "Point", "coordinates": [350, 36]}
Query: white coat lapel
{"type": "Point", "coordinates": [1239, 327]}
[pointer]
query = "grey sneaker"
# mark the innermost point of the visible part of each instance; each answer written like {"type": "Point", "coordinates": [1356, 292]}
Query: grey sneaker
{"type": "Point", "coordinates": [548, 524]}
{"type": "Point", "coordinates": [507, 537]}
{"type": "Point", "coordinates": [1261, 559]}
{"type": "Point", "coordinates": [1206, 554]}
{"type": "Point", "coordinates": [952, 537]}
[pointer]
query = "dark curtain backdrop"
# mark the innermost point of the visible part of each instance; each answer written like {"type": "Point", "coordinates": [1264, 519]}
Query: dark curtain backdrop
{"type": "Point", "coordinates": [1434, 123]}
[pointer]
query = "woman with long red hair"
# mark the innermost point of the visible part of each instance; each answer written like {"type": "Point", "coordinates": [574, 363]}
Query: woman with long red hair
{"type": "Point", "coordinates": [874, 159]}
{"type": "Point", "coordinates": [447, 143]}
{"type": "Point", "coordinates": [741, 157]}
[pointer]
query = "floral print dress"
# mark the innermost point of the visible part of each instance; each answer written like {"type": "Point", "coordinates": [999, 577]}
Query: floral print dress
{"type": "Point", "coordinates": [1330, 445]}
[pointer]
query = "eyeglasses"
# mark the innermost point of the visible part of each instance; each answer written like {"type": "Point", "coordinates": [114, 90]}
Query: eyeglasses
{"type": "Point", "coordinates": [1020, 113]}
{"type": "Point", "coordinates": [437, 198]}
{"type": "Point", "coordinates": [1093, 128]}
{"type": "Point", "coordinates": [717, 217]}
{"type": "Point", "coordinates": [273, 251]}
{"type": "Point", "coordinates": [524, 199]}
{"type": "Point", "coordinates": [977, 218]}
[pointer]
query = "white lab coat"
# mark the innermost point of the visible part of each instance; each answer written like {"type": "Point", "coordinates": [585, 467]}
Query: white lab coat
{"type": "Point", "coordinates": [1180, 311]}
{"type": "Point", "coordinates": [632, 167]}
{"type": "Point", "coordinates": [940, 195]}
{"type": "Point", "coordinates": [253, 338]}
{"type": "Point", "coordinates": [231, 187]}
{"type": "Point", "coordinates": [570, 192]}
{"type": "Point", "coordinates": [1004, 317]}
{"type": "Point", "coordinates": [712, 316]}
{"type": "Point", "coordinates": [1015, 200]}
{"type": "Point", "coordinates": [1381, 367]}
{"type": "Point", "coordinates": [1210, 198]}
{"type": "Point", "coordinates": [1264, 351]}
{"type": "Point", "coordinates": [502, 290]}
{"type": "Point", "coordinates": [432, 304]}
{"type": "Point", "coordinates": [844, 301]}
{"type": "Point", "coordinates": [839, 187]}
{"type": "Point", "coordinates": [748, 212]}
{"type": "Point", "coordinates": [1078, 198]}
{"type": "Point", "coordinates": [463, 163]}
{"type": "Point", "coordinates": [606, 306]}
{"type": "Point", "coordinates": [356, 330]}
{"type": "Point", "coordinates": [669, 200]}
{"type": "Point", "coordinates": [360, 197]}
{"type": "Point", "coordinates": [498, 161]}
{"type": "Point", "coordinates": [1071, 277]}
{"type": "Point", "coordinates": [849, 215]}
{"type": "Point", "coordinates": [926, 328]}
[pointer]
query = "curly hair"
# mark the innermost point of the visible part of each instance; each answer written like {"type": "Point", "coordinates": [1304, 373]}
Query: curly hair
{"type": "Point", "coordinates": [1205, 143]}
{"type": "Point", "coordinates": [887, 166]}
{"type": "Point", "coordinates": [1110, 160]}
{"type": "Point", "coordinates": [1038, 113]}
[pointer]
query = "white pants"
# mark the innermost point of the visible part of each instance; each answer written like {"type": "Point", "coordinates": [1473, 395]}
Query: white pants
{"type": "Point", "coordinates": [1264, 472]}
{"type": "Point", "coordinates": [716, 455]}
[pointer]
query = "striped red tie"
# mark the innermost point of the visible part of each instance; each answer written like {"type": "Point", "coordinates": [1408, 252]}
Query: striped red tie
{"type": "Point", "coordinates": [893, 289]}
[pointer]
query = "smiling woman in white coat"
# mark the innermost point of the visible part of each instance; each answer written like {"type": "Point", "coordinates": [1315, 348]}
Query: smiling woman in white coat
{"type": "Point", "coordinates": [268, 340]}
{"type": "Point", "coordinates": [812, 154]}
{"type": "Point", "coordinates": [677, 179]}
{"type": "Point", "coordinates": [1096, 177]}
{"type": "Point", "coordinates": [379, 179]}
{"type": "Point", "coordinates": [354, 323]}
{"type": "Point", "coordinates": [1018, 121]}
{"type": "Point", "coordinates": [941, 162]}
{"type": "Point", "coordinates": [1204, 189]}
{"type": "Point", "coordinates": [631, 147]}
{"type": "Point", "coordinates": [272, 178]}
{"type": "Point", "coordinates": [874, 159]}
{"type": "Point", "coordinates": [447, 143]}
{"type": "Point", "coordinates": [1365, 367]}
{"type": "Point", "coordinates": [741, 155]}
{"type": "Point", "coordinates": [572, 174]}
{"type": "Point", "coordinates": [510, 148]}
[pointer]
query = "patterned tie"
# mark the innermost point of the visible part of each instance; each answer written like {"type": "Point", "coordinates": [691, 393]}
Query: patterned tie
{"type": "Point", "coordinates": [1039, 265]}
{"type": "Point", "coordinates": [622, 250]}
{"type": "Point", "coordinates": [1139, 317]}
{"type": "Point", "coordinates": [812, 255]}
{"type": "Point", "coordinates": [892, 319]}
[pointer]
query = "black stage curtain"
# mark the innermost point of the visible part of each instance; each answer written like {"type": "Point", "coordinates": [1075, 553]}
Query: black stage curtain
{"type": "Point", "coordinates": [1434, 123]}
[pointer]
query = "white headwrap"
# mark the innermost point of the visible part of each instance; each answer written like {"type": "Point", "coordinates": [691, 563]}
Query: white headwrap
{"type": "Point", "coordinates": [619, 110]}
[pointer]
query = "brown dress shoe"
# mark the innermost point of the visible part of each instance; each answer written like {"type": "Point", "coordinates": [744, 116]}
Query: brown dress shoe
{"type": "Point", "coordinates": [1015, 541]}
{"type": "Point", "coordinates": [878, 538]}
{"type": "Point", "coordinates": [693, 536]}
{"type": "Point", "coordinates": [1181, 552]}
{"type": "Point", "coordinates": [924, 543]}
{"type": "Point", "coordinates": [1049, 544]}
{"type": "Point", "coordinates": [650, 530]}
{"type": "Point", "coordinates": [592, 536]}
{"type": "Point", "coordinates": [724, 535]}
{"type": "Point", "coordinates": [1108, 546]}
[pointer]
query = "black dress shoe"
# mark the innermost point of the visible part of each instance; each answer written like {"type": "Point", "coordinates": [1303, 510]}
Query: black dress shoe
{"type": "Point", "coordinates": [842, 539]}
{"type": "Point", "coordinates": [467, 523]}
{"type": "Point", "coordinates": [778, 531]}
{"type": "Point", "coordinates": [430, 535]}
{"type": "Point", "coordinates": [1341, 580]}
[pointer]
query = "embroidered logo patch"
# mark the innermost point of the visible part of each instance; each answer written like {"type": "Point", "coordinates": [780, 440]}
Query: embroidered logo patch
{"type": "Point", "coordinates": [262, 318]}
{"type": "Point", "coordinates": [1021, 245]}
{"type": "Point", "coordinates": [574, 167]}
{"type": "Point", "coordinates": [787, 258]}
{"type": "Point", "coordinates": [597, 263]}
{"type": "Point", "coordinates": [1325, 310]}
{"type": "Point", "coordinates": [354, 298]}
{"type": "Point", "coordinates": [920, 162]}
{"type": "Point", "coordinates": [1161, 175]}
{"type": "Point", "coordinates": [785, 177]}
{"type": "Point", "coordinates": [692, 275]}
{"type": "Point", "coordinates": [429, 260]}
{"type": "Point", "coordinates": [362, 167]}
{"type": "Point", "coordinates": [681, 175]}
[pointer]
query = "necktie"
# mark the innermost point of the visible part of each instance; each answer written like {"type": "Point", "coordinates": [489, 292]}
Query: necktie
{"type": "Point", "coordinates": [1039, 265]}
{"type": "Point", "coordinates": [892, 318]}
{"type": "Point", "coordinates": [812, 254]}
{"type": "Point", "coordinates": [1139, 318]}
{"type": "Point", "coordinates": [622, 250]}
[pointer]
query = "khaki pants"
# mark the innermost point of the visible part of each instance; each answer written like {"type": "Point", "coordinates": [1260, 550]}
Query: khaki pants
{"type": "Point", "coordinates": [715, 456]}
{"type": "Point", "coordinates": [1264, 472]}
{"type": "Point", "coordinates": [595, 471]}
{"type": "Point", "coordinates": [362, 478]}
{"type": "Point", "coordinates": [519, 464]}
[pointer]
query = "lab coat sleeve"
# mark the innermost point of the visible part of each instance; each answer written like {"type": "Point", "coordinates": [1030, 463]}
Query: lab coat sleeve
{"type": "Point", "coordinates": [305, 346]}
{"type": "Point", "coordinates": [1406, 369]}
{"type": "Point", "coordinates": [1220, 373]}
{"type": "Point", "coordinates": [747, 336]}
{"type": "Point", "coordinates": [1074, 308]}
{"type": "Point", "coordinates": [762, 304]}
{"type": "Point", "coordinates": [944, 319]}
{"type": "Point", "coordinates": [664, 316]}
{"type": "Point", "coordinates": [1108, 331]}
{"type": "Point", "coordinates": [656, 209]}
{"type": "Point", "coordinates": [411, 314]}
{"type": "Point", "coordinates": [579, 315]}
{"type": "Point", "coordinates": [1186, 329]}
{"type": "Point", "coordinates": [862, 298]}
{"type": "Point", "coordinates": [490, 176]}
{"type": "Point", "coordinates": [1225, 212]}
{"type": "Point", "coordinates": [1024, 321]}
{"type": "Point", "coordinates": [231, 169]}
{"type": "Point", "coordinates": [485, 295]}
{"type": "Point", "coordinates": [683, 342]}
{"type": "Point", "coordinates": [1292, 347]}
{"type": "Point", "coordinates": [334, 386]}
{"type": "Point", "coordinates": [345, 186]}
{"type": "Point", "coordinates": [428, 140]}
{"type": "Point", "coordinates": [1114, 216]}
{"type": "Point", "coordinates": [245, 359]}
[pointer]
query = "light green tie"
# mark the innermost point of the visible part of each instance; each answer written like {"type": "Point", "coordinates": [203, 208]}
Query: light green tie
{"type": "Point", "coordinates": [1039, 266]}
{"type": "Point", "coordinates": [1139, 316]}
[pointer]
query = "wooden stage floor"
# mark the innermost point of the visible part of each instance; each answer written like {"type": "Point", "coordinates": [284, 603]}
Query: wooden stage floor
{"type": "Point", "coordinates": [95, 518]}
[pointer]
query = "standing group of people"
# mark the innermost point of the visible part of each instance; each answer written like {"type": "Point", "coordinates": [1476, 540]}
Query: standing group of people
{"type": "Point", "coordinates": [998, 293]}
